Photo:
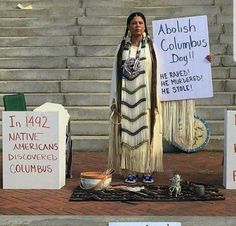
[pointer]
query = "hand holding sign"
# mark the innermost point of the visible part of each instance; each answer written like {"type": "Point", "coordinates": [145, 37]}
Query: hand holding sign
{"type": "Point", "coordinates": [209, 57]}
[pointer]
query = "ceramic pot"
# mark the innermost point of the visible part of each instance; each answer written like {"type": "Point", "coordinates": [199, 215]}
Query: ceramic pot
{"type": "Point", "coordinates": [95, 180]}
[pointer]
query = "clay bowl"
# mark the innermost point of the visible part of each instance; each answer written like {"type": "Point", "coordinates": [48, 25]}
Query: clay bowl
{"type": "Point", "coordinates": [95, 180]}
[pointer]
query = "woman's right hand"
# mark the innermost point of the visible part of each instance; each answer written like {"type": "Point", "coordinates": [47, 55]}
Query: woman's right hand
{"type": "Point", "coordinates": [113, 107]}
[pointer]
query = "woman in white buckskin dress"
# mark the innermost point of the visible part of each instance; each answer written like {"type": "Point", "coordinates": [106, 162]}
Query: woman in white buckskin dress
{"type": "Point", "coordinates": [135, 142]}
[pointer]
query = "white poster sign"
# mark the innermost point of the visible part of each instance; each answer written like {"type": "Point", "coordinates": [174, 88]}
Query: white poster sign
{"type": "Point", "coordinates": [144, 224]}
{"type": "Point", "coordinates": [32, 153]}
{"type": "Point", "coordinates": [229, 178]}
{"type": "Point", "coordinates": [181, 45]}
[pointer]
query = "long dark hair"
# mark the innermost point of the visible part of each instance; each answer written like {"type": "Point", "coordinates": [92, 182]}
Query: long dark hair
{"type": "Point", "coordinates": [154, 65]}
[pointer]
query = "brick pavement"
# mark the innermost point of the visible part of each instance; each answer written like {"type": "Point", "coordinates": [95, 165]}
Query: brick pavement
{"type": "Point", "coordinates": [204, 167]}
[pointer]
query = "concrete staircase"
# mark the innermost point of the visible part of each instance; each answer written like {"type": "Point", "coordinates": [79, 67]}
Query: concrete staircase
{"type": "Point", "coordinates": [62, 51]}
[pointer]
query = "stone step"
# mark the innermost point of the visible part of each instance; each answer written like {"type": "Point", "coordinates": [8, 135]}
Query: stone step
{"type": "Point", "coordinates": [90, 128]}
{"type": "Point", "coordinates": [37, 22]}
{"type": "Point", "coordinates": [39, 31]}
{"type": "Point", "coordinates": [117, 31]}
{"type": "Point", "coordinates": [213, 112]}
{"type": "Point", "coordinates": [216, 127]}
{"type": "Point", "coordinates": [68, 100]}
{"type": "Point", "coordinates": [89, 112]}
{"type": "Point", "coordinates": [89, 62]}
{"type": "Point", "coordinates": [223, 2]}
{"type": "Point", "coordinates": [216, 143]}
{"type": "Point", "coordinates": [147, 3]}
{"type": "Point", "coordinates": [29, 86]}
{"type": "Point", "coordinates": [109, 50]}
{"type": "Point", "coordinates": [97, 40]}
{"type": "Point", "coordinates": [87, 99]}
{"type": "Point", "coordinates": [90, 143]}
{"type": "Point", "coordinates": [86, 86]}
{"type": "Point", "coordinates": [36, 41]}
{"type": "Point", "coordinates": [58, 51]}
{"type": "Point", "coordinates": [208, 113]}
{"type": "Point", "coordinates": [33, 74]}
{"type": "Point", "coordinates": [86, 74]}
{"type": "Point", "coordinates": [175, 11]}
{"type": "Point", "coordinates": [121, 20]}
{"type": "Point", "coordinates": [120, 30]}
{"type": "Point", "coordinates": [102, 75]}
{"type": "Point", "coordinates": [36, 99]}
{"type": "Point", "coordinates": [91, 73]}
{"type": "Point", "coordinates": [101, 86]}
{"type": "Point", "coordinates": [95, 87]}
{"type": "Point", "coordinates": [37, 86]}
{"type": "Point", "coordinates": [56, 74]}
{"type": "Point", "coordinates": [96, 51]}
{"type": "Point", "coordinates": [101, 21]}
{"type": "Point", "coordinates": [6, 4]}
{"type": "Point", "coordinates": [219, 99]}
{"type": "Point", "coordinates": [67, 51]}
{"type": "Point", "coordinates": [24, 13]}
{"type": "Point", "coordinates": [102, 99]}
{"type": "Point", "coordinates": [33, 63]}
{"type": "Point", "coordinates": [43, 12]}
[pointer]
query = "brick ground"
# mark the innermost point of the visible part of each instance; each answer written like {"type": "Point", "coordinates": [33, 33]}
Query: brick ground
{"type": "Point", "coordinates": [202, 167]}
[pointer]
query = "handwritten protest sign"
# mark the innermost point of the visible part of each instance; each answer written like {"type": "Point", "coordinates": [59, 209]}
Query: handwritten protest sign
{"type": "Point", "coordinates": [229, 178]}
{"type": "Point", "coordinates": [32, 154]}
{"type": "Point", "coordinates": [182, 45]}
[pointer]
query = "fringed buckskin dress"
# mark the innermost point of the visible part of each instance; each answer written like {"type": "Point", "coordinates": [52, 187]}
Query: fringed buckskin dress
{"type": "Point", "coordinates": [135, 138]}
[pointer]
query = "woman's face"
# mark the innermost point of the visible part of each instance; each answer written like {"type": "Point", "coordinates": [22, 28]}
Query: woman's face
{"type": "Point", "coordinates": [137, 26]}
